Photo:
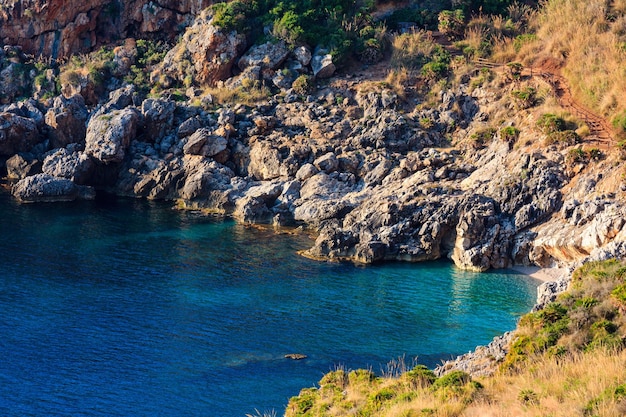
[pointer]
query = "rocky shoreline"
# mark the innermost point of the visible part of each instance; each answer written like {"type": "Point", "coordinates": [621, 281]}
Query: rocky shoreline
{"type": "Point", "coordinates": [376, 172]}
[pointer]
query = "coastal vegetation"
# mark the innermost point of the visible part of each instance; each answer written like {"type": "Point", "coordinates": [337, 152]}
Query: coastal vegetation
{"type": "Point", "coordinates": [566, 359]}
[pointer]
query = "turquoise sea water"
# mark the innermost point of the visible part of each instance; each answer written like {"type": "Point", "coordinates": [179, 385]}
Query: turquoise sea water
{"type": "Point", "coordinates": [121, 307]}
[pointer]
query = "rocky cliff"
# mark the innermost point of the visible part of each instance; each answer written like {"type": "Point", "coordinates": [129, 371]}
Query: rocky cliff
{"type": "Point", "coordinates": [377, 172]}
{"type": "Point", "coordinates": [60, 28]}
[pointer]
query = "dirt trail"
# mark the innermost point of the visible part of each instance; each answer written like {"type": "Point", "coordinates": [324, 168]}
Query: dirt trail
{"type": "Point", "coordinates": [601, 134]}
{"type": "Point", "coordinates": [600, 131]}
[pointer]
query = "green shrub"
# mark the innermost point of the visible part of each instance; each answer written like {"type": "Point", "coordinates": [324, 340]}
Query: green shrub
{"type": "Point", "coordinates": [509, 134]}
{"type": "Point", "coordinates": [303, 85]}
{"type": "Point", "coordinates": [528, 397]}
{"type": "Point", "coordinates": [576, 155]}
{"type": "Point", "coordinates": [420, 377]}
{"type": "Point", "coordinates": [523, 39]}
{"type": "Point", "coordinates": [360, 376]}
{"type": "Point", "coordinates": [525, 98]}
{"type": "Point", "coordinates": [483, 136]}
{"type": "Point", "coordinates": [377, 399]}
{"type": "Point", "coordinates": [514, 70]}
{"type": "Point", "coordinates": [453, 379]}
{"type": "Point", "coordinates": [550, 123]}
{"type": "Point", "coordinates": [562, 137]}
{"type": "Point", "coordinates": [452, 23]}
{"type": "Point", "coordinates": [619, 295]}
{"type": "Point", "coordinates": [303, 402]}
{"type": "Point", "coordinates": [619, 122]}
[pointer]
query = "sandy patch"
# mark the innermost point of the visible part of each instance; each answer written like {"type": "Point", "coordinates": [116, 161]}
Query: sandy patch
{"type": "Point", "coordinates": [541, 274]}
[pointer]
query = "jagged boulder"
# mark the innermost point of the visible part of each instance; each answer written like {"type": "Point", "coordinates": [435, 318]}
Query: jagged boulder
{"type": "Point", "coordinates": [67, 120]}
{"type": "Point", "coordinates": [209, 51]}
{"type": "Point", "coordinates": [189, 127]}
{"type": "Point", "coordinates": [150, 177]}
{"type": "Point", "coordinates": [21, 166]}
{"type": "Point", "coordinates": [29, 109]}
{"type": "Point", "coordinates": [158, 116]}
{"type": "Point", "coordinates": [265, 161]}
{"type": "Point", "coordinates": [17, 134]}
{"type": "Point", "coordinates": [109, 135]}
{"type": "Point", "coordinates": [63, 163]}
{"type": "Point", "coordinates": [207, 185]}
{"type": "Point", "coordinates": [255, 205]}
{"type": "Point", "coordinates": [269, 55]}
{"type": "Point", "coordinates": [483, 238]}
{"type": "Point", "coordinates": [47, 188]}
{"type": "Point", "coordinates": [204, 142]}
{"type": "Point", "coordinates": [322, 64]}
{"type": "Point", "coordinates": [62, 28]}
{"type": "Point", "coordinates": [302, 55]}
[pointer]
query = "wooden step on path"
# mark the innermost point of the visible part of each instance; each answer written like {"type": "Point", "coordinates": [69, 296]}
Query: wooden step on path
{"type": "Point", "coordinates": [486, 63]}
{"type": "Point", "coordinates": [600, 131]}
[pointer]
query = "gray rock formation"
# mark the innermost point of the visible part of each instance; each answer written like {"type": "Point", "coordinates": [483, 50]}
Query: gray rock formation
{"type": "Point", "coordinates": [17, 134]}
{"type": "Point", "coordinates": [322, 64]}
{"type": "Point", "coordinates": [210, 52]}
{"type": "Point", "coordinates": [46, 188]}
{"type": "Point", "coordinates": [21, 166]}
{"type": "Point", "coordinates": [269, 55]}
{"type": "Point", "coordinates": [109, 135]}
{"type": "Point", "coordinates": [75, 166]}
{"type": "Point", "coordinates": [67, 119]}
{"type": "Point", "coordinates": [158, 117]}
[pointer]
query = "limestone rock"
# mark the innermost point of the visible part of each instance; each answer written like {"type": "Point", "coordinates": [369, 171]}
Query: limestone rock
{"type": "Point", "coordinates": [211, 51]}
{"type": "Point", "coordinates": [21, 166]}
{"type": "Point", "coordinates": [255, 205]}
{"type": "Point", "coordinates": [17, 134]}
{"type": "Point", "coordinates": [204, 142]}
{"type": "Point", "coordinates": [67, 119]}
{"type": "Point", "coordinates": [306, 171]}
{"type": "Point", "coordinates": [158, 116]}
{"type": "Point", "coordinates": [303, 55]}
{"type": "Point", "coordinates": [59, 29]}
{"type": "Point", "coordinates": [322, 64]}
{"type": "Point", "coordinates": [189, 126]}
{"type": "Point", "coordinates": [46, 188]}
{"type": "Point", "coordinates": [75, 166]}
{"type": "Point", "coordinates": [265, 161]}
{"type": "Point", "coordinates": [109, 135]}
{"type": "Point", "coordinates": [327, 163]}
{"type": "Point", "coordinates": [207, 182]}
{"type": "Point", "coordinates": [269, 55]}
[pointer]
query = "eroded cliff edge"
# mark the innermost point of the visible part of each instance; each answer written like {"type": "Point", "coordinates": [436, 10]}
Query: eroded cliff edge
{"type": "Point", "coordinates": [465, 171]}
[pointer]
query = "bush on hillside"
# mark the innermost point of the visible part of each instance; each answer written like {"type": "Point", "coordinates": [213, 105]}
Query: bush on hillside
{"type": "Point", "coordinates": [583, 319]}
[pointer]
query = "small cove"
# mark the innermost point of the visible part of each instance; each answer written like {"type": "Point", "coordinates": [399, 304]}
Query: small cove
{"type": "Point", "coordinates": [124, 307]}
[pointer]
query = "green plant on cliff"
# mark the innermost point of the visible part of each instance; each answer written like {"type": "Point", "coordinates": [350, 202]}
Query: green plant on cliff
{"type": "Point", "coordinates": [149, 54]}
{"type": "Point", "coordinates": [93, 69]}
{"type": "Point", "coordinates": [584, 318]}
{"type": "Point", "coordinates": [334, 24]}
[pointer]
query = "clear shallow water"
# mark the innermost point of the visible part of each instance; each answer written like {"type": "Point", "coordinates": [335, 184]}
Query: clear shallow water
{"type": "Point", "coordinates": [123, 307]}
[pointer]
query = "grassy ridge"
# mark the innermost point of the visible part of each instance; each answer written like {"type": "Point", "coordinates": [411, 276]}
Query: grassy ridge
{"type": "Point", "coordinates": [588, 39]}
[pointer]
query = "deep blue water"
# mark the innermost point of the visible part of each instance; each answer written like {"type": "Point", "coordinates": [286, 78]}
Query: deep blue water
{"type": "Point", "coordinates": [121, 307]}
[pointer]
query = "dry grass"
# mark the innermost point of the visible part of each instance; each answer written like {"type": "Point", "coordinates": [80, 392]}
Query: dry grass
{"type": "Point", "coordinates": [589, 37]}
{"type": "Point", "coordinates": [410, 50]}
{"type": "Point", "coordinates": [563, 387]}
{"type": "Point", "coordinates": [247, 96]}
